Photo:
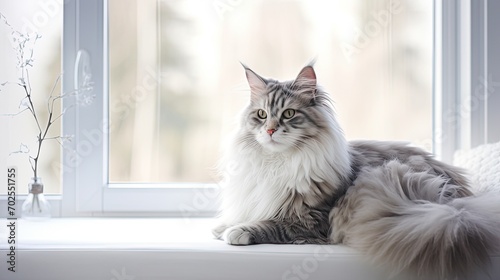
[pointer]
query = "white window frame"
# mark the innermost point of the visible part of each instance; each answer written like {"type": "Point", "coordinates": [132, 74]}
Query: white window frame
{"type": "Point", "coordinates": [463, 46]}
{"type": "Point", "coordinates": [466, 110]}
{"type": "Point", "coordinates": [85, 177]}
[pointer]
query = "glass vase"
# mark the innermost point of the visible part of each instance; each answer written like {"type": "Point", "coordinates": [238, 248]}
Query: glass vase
{"type": "Point", "coordinates": [36, 207]}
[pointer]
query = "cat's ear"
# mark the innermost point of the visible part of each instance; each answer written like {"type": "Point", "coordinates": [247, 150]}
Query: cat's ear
{"type": "Point", "coordinates": [307, 73]}
{"type": "Point", "coordinates": [306, 80]}
{"type": "Point", "coordinates": [257, 83]}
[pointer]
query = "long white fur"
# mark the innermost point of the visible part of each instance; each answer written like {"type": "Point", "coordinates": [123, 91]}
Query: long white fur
{"type": "Point", "coordinates": [253, 189]}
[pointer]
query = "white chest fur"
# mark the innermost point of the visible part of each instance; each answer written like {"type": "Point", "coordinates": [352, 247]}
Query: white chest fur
{"type": "Point", "coordinates": [257, 186]}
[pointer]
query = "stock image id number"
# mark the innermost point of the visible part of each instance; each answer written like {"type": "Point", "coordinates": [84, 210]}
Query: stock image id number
{"type": "Point", "coordinates": [11, 191]}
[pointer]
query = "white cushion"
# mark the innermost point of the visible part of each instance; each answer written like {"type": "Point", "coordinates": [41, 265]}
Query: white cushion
{"type": "Point", "coordinates": [483, 165]}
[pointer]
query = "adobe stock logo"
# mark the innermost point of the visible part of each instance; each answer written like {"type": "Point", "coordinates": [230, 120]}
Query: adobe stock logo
{"type": "Point", "coordinates": [373, 28]}
{"type": "Point", "coordinates": [121, 275]}
{"type": "Point", "coordinates": [48, 9]}
{"type": "Point", "coordinates": [91, 138]}
{"type": "Point", "coordinates": [309, 265]}
{"type": "Point", "coordinates": [224, 6]}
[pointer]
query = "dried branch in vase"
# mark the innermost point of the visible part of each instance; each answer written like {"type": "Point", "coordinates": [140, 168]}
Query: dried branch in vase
{"type": "Point", "coordinates": [23, 45]}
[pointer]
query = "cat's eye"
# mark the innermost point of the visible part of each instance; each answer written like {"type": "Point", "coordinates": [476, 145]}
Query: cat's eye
{"type": "Point", "coordinates": [289, 113]}
{"type": "Point", "coordinates": [262, 114]}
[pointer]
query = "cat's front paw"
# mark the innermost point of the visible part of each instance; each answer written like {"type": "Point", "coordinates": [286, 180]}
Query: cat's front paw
{"type": "Point", "coordinates": [238, 235]}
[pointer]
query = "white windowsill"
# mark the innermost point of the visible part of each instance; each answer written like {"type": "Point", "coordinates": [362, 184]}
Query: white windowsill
{"type": "Point", "coordinates": [166, 248]}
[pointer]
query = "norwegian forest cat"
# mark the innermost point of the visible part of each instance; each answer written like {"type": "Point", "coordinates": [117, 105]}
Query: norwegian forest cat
{"type": "Point", "coordinates": [292, 178]}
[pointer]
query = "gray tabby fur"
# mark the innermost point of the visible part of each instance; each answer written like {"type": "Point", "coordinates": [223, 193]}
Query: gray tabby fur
{"type": "Point", "coordinates": [306, 184]}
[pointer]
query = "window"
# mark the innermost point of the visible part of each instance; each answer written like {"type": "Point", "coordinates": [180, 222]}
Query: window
{"type": "Point", "coordinates": [466, 75]}
{"type": "Point", "coordinates": [168, 86]}
{"type": "Point", "coordinates": [176, 86]}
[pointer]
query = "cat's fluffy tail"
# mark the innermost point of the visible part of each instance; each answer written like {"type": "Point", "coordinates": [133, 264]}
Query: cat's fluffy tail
{"type": "Point", "coordinates": [414, 221]}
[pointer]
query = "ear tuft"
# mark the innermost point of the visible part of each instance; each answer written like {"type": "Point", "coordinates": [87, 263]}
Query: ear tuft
{"type": "Point", "coordinates": [257, 83]}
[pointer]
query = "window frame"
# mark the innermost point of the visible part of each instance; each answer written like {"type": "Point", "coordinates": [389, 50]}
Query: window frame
{"type": "Point", "coordinates": [461, 49]}
{"type": "Point", "coordinates": [463, 106]}
{"type": "Point", "coordinates": [86, 187]}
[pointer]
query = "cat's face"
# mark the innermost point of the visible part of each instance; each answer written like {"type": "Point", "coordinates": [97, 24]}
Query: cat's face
{"type": "Point", "coordinates": [282, 115]}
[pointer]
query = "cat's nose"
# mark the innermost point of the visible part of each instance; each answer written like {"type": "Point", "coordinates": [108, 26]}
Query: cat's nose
{"type": "Point", "coordinates": [271, 131]}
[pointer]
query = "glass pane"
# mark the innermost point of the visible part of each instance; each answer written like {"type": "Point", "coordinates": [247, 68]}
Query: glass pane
{"type": "Point", "coordinates": [176, 84]}
{"type": "Point", "coordinates": [28, 17]}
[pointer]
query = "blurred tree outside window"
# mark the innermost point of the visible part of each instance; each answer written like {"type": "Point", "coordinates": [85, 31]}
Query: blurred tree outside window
{"type": "Point", "coordinates": [176, 85]}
